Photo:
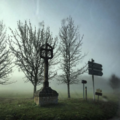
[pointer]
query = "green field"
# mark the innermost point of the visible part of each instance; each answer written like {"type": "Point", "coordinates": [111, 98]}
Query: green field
{"type": "Point", "coordinates": [17, 106]}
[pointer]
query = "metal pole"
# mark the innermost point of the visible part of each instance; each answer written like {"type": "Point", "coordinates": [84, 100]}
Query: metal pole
{"type": "Point", "coordinates": [93, 81]}
{"type": "Point", "coordinates": [93, 88]}
{"type": "Point", "coordinates": [83, 91]}
{"type": "Point", "coordinates": [86, 92]}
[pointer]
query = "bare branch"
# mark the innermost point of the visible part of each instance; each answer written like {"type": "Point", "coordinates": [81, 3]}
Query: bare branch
{"type": "Point", "coordinates": [27, 52]}
{"type": "Point", "coordinates": [71, 53]}
{"type": "Point", "coordinates": [5, 57]}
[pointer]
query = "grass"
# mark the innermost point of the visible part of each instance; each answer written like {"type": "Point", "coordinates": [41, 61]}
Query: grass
{"type": "Point", "coordinates": [22, 108]}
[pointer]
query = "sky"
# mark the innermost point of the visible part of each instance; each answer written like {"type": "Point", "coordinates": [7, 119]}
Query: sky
{"type": "Point", "coordinates": [98, 20]}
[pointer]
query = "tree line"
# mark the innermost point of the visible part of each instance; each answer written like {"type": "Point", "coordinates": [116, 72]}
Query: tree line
{"type": "Point", "coordinates": [24, 45]}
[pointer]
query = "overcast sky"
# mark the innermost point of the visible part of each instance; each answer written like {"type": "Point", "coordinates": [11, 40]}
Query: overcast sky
{"type": "Point", "coordinates": [98, 20]}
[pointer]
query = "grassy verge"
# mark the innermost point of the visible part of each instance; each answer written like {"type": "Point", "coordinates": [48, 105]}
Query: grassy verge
{"type": "Point", "coordinates": [67, 109]}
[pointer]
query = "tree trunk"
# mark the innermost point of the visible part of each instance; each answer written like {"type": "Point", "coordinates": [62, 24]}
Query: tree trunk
{"type": "Point", "coordinates": [34, 90]}
{"type": "Point", "coordinates": [68, 90]}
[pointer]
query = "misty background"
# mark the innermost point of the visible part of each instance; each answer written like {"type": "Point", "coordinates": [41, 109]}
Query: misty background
{"type": "Point", "coordinates": [99, 21]}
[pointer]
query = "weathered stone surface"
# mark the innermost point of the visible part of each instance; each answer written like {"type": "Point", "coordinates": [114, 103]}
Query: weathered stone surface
{"type": "Point", "coordinates": [45, 96]}
{"type": "Point", "coordinates": [45, 92]}
{"type": "Point", "coordinates": [45, 100]}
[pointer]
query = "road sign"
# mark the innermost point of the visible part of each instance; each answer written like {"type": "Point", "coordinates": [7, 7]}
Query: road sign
{"type": "Point", "coordinates": [99, 90]}
{"type": "Point", "coordinates": [84, 81]}
{"type": "Point", "coordinates": [94, 72]}
{"type": "Point", "coordinates": [97, 93]}
{"type": "Point", "coordinates": [94, 65]}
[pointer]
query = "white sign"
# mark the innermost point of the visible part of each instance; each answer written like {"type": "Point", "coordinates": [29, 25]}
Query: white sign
{"type": "Point", "coordinates": [99, 90]}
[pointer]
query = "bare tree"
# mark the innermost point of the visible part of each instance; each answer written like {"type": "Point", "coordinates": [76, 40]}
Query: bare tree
{"type": "Point", "coordinates": [27, 51]}
{"type": "Point", "coordinates": [70, 53]}
{"type": "Point", "coordinates": [5, 57]}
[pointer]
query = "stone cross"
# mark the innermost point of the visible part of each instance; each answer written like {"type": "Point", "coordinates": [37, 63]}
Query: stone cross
{"type": "Point", "coordinates": [46, 95]}
{"type": "Point", "coordinates": [47, 49]}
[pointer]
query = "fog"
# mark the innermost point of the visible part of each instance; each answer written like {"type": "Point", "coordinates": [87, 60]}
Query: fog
{"type": "Point", "coordinates": [99, 21]}
{"type": "Point", "coordinates": [27, 88]}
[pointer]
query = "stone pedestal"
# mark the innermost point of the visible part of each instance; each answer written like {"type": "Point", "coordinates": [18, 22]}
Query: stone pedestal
{"type": "Point", "coordinates": [45, 96]}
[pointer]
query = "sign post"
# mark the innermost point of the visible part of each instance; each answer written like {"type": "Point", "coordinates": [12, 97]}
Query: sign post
{"type": "Point", "coordinates": [94, 69]}
{"type": "Point", "coordinates": [86, 92]}
{"type": "Point", "coordinates": [93, 87]}
{"type": "Point", "coordinates": [84, 82]}
{"type": "Point", "coordinates": [93, 81]}
{"type": "Point", "coordinates": [99, 93]}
